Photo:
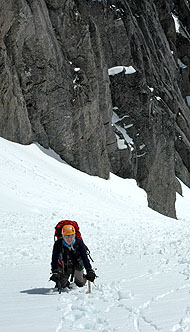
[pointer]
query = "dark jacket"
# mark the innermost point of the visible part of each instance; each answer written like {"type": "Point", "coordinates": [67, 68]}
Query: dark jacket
{"type": "Point", "coordinates": [75, 255]}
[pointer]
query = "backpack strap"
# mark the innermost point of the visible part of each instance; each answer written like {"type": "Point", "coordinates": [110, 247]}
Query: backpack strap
{"type": "Point", "coordinates": [62, 255]}
{"type": "Point", "coordinates": [73, 267]}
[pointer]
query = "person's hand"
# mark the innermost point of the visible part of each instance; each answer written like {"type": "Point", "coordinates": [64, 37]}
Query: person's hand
{"type": "Point", "coordinates": [64, 282]}
{"type": "Point", "coordinates": [91, 275]}
{"type": "Point", "coordinates": [55, 275]}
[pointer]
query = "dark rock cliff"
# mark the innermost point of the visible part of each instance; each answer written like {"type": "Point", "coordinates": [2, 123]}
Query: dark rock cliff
{"type": "Point", "coordinates": [57, 87]}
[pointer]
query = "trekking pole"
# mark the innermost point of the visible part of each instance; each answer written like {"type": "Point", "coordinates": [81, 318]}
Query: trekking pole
{"type": "Point", "coordinates": [89, 287]}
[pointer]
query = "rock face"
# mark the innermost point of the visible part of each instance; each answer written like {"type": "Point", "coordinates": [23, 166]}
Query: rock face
{"type": "Point", "coordinates": [55, 87]}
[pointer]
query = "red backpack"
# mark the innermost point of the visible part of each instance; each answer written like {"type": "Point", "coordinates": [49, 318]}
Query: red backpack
{"type": "Point", "coordinates": [59, 226]}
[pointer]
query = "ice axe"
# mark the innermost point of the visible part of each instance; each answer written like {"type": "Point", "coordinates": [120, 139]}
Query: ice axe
{"type": "Point", "coordinates": [89, 287]}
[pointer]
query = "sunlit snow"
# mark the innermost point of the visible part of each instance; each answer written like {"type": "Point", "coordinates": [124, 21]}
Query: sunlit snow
{"type": "Point", "coordinates": [118, 69]}
{"type": "Point", "coordinates": [126, 138]}
{"type": "Point", "coordinates": [142, 258]}
{"type": "Point", "coordinates": [176, 21]}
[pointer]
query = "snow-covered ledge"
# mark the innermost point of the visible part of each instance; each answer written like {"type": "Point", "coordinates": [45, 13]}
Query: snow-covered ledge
{"type": "Point", "coordinates": [118, 69]}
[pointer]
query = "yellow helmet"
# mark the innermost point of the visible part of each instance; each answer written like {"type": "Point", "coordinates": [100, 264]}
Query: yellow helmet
{"type": "Point", "coordinates": [68, 230]}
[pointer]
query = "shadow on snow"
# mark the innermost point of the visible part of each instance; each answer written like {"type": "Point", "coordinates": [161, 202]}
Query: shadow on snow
{"type": "Point", "coordinates": [40, 291]}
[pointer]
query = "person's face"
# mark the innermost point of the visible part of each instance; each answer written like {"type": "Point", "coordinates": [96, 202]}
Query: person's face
{"type": "Point", "coordinates": [69, 239]}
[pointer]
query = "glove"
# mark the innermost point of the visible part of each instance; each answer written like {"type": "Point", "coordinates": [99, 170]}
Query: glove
{"type": "Point", "coordinates": [64, 282]}
{"type": "Point", "coordinates": [55, 275]}
{"type": "Point", "coordinates": [58, 277]}
{"type": "Point", "coordinates": [91, 275]}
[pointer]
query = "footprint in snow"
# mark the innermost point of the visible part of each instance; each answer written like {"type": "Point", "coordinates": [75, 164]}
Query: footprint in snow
{"type": "Point", "coordinates": [80, 311]}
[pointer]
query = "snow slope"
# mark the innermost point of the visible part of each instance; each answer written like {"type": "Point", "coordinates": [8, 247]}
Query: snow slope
{"type": "Point", "coordinates": [142, 258]}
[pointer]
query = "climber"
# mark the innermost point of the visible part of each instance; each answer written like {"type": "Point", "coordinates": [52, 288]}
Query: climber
{"type": "Point", "coordinates": [69, 258]}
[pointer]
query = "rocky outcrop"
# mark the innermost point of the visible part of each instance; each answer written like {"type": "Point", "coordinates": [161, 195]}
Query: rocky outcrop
{"type": "Point", "coordinates": [59, 91]}
{"type": "Point", "coordinates": [179, 41]}
{"type": "Point", "coordinates": [57, 87]}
